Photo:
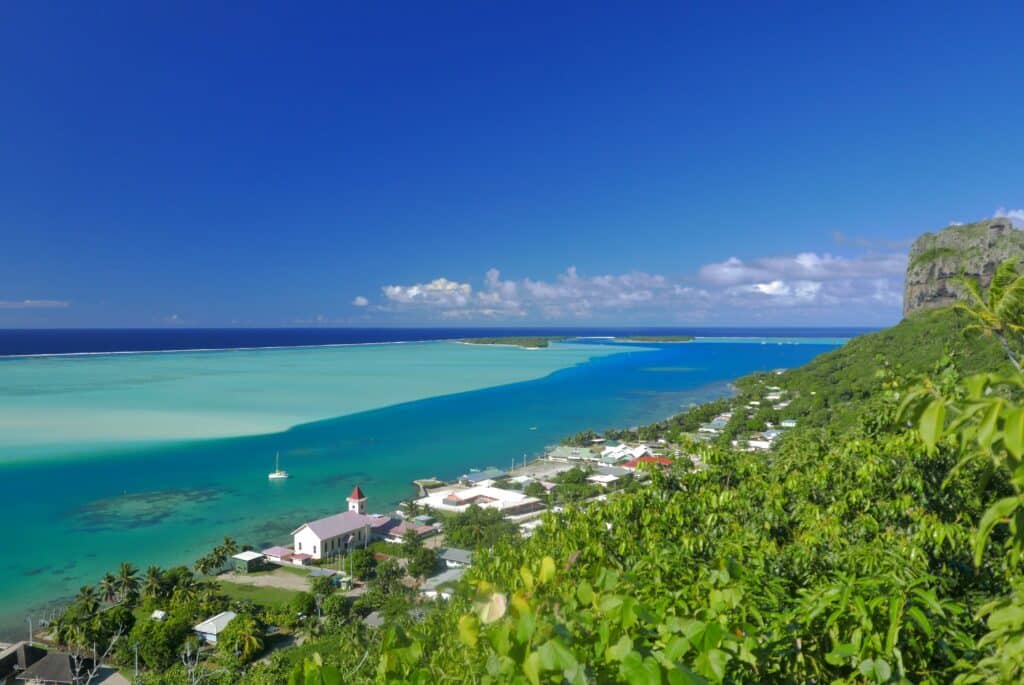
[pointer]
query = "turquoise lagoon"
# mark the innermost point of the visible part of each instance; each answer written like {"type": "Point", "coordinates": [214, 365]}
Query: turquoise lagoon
{"type": "Point", "coordinates": [153, 458]}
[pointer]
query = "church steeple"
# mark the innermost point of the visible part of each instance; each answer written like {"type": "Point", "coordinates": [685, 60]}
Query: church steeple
{"type": "Point", "coordinates": [357, 501]}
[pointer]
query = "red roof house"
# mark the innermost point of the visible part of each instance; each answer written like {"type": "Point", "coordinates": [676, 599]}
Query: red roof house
{"type": "Point", "coordinates": [656, 461]}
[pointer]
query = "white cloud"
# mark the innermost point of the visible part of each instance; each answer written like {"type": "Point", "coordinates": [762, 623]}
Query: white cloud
{"type": "Point", "coordinates": [804, 266]}
{"type": "Point", "coordinates": [360, 301]}
{"type": "Point", "coordinates": [34, 304]}
{"type": "Point", "coordinates": [1016, 216]}
{"type": "Point", "coordinates": [440, 292]}
{"type": "Point", "coordinates": [816, 284]}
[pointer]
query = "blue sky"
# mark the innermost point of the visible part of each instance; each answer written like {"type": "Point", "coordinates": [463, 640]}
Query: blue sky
{"type": "Point", "coordinates": [424, 163]}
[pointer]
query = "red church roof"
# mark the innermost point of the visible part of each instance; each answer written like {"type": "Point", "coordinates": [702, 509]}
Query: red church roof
{"type": "Point", "coordinates": [357, 493]}
{"type": "Point", "coordinates": [659, 461]}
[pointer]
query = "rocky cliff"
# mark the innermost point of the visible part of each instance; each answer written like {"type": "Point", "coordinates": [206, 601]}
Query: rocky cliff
{"type": "Point", "coordinates": [974, 249]}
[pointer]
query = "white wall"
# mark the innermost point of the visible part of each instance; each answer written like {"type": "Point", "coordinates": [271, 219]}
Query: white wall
{"type": "Point", "coordinates": [305, 542]}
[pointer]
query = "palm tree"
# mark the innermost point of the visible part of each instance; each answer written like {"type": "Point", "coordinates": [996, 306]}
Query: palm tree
{"type": "Point", "coordinates": [62, 629]}
{"type": "Point", "coordinates": [218, 557]}
{"type": "Point", "coordinates": [204, 565]}
{"type": "Point", "coordinates": [108, 587]}
{"type": "Point", "coordinates": [186, 591]}
{"type": "Point", "coordinates": [87, 599]}
{"type": "Point", "coordinates": [245, 638]}
{"type": "Point", "coordinates": [1000, 311]}
{"type": "Point", "coordinates": [153, 585]}
{"type": "Point", "coordinates": [229, 546]}
{"type": "Point", "coordinates": [128, 582]}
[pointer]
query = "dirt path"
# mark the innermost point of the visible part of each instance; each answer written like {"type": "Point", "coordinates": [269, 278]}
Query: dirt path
{"type": "Point", "coordinates": [277, 578]}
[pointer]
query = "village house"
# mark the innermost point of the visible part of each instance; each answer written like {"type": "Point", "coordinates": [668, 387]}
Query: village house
{"type": "Point", "coordinates": [397, 533]}
{"type": "Point", "coordinates": [567, 453]}
{"type": "Point", "coordinates": [661, 462]}
{"type": "Point", "coordinates": [454, 557]}
{"type": "Point", "coordinates": [209, 629]}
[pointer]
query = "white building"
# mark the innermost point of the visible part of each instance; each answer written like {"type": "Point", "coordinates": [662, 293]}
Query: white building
{"type": "Point", "coordinates": [209, 629]}
{"type": "Point", "coordinates": [509, 502]}
{"type": "Point", "coordinates": [613, 455]}
{"type": "Point", "coordinates": [340, 533]}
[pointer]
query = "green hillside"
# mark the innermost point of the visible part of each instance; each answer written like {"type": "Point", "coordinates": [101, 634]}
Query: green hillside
{"type": "Point", "coordinates": [843, 378]}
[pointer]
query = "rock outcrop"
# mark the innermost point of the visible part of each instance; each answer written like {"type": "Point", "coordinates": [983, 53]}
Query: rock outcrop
{"type": "Point", "coordinates": [973, 249]}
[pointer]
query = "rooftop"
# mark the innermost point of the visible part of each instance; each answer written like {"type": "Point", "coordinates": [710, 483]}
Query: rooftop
{"type": "Point", "coordinates": [215, 624]}
{"type": "Point", "coordinates": [55, 667]}
{"type": "Point", "coordinates": [459, 556]}
{"type": "Point", "coordinates": [452, 575]}
{"type": "Point", "coordinates": [345, 522]}
{"type": "Point", "coordinates": [248, 555]}
{"type": "Point", "coordinates": [657, 461]}
{"type": "Point", "coordinates": [489, 473]}
{"type": "Point", "coordinates": [277, 551]}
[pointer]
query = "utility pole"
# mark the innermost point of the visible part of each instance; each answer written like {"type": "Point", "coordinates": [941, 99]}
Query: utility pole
{"type": "Point", "coordinates": [136, 679]}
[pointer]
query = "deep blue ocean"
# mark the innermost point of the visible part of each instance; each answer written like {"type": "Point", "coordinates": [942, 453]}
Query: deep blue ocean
{"type": "Point", "coordinates": [70, 341]}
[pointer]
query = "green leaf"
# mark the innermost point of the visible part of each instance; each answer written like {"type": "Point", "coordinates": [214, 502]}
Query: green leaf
{"type": "Point", "coordinates": [895, 623]}
{"type": "Point", "coordinates": [987, 429]}
{"type": "Point", "coordinates": [841, 654]}
{"type": "Point", "coordinates": [931, 423]}
{"type": "Point", "coordinates": [620, 649]}
{"type": "Point", "coordinates": [676, 648]}
{"type": "Point", "coordinates": [711, 664]}
{"type": "Point", "coordinates": [547, 570]}
{"type": "Point", "coordinates": [1013, 432]}
{"type": "Point", "coordinates": [331, 675]}
{"type": "Point", "coordinates": [638, 671]}
{"type": "Point", "coordinates": [585, 593]}
{"type": "Point", "coordinates": [999, 511]}
{"type": "Point", "coordinates": [527, 576]}
{"type": "Point", "coordinates": [918, 617]}
{"type": "Point", "coordinates": [531, 667]}
{"type": "Point", "coordinates": [469, 630]}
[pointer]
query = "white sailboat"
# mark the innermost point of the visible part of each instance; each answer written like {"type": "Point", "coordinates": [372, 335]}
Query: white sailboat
{"type": "Point", "coordinates": [277, 473]}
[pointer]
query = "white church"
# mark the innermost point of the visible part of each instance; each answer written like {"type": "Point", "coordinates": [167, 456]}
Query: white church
{"type": "Point", "coordinates": [338, 534]}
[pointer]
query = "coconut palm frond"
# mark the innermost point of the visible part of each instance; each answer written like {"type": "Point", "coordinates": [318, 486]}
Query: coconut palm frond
{"type": "Point", "coordinates": [1009, 306]}
{"type": "Point", "coordinates": [1004, 276]}
{"type": "Point", "coordinates": [982, 315]}
{"type": "Point", "coordinates": [971, 287]}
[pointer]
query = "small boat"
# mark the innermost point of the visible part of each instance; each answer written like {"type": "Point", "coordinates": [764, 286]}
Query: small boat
{"type": "Point", "coordinates": [277, 473]}
{"type": "Point", "coordinates": [533, 428]}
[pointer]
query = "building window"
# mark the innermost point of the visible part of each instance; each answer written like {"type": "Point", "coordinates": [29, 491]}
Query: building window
{"type": "Point", "coordinates": [314, 549]}
{"type": "Point", "coordinates": [300, 546]}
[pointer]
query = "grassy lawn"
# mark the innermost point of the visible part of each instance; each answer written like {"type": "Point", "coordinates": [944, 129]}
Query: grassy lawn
{"type": "Point", "coordinates": [384, 547]}
{"type": "Point", "coordinates": [274, 597]}
{"type": "Point", "coordinates": [296, 570]}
